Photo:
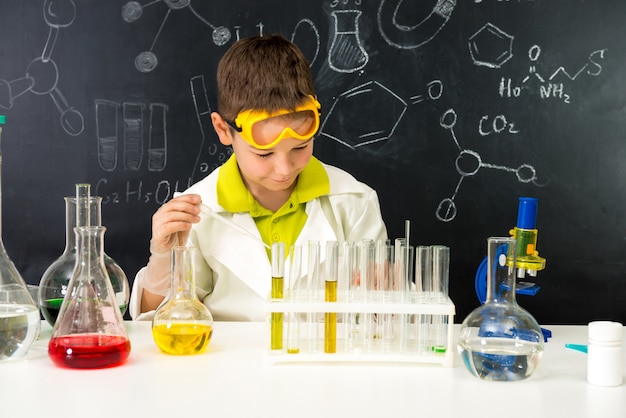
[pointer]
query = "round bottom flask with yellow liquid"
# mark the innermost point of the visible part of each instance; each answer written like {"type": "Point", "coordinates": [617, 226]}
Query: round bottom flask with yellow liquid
{"type": "Point", "coordinates": [182, 325]}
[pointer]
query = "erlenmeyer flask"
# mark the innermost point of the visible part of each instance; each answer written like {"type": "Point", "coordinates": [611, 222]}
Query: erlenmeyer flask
{"type": "Point", "coordinates": [500, 340]}
{"type": "Point", "coordinates": [54, 281]}
{"type": "Point", "coordinates": [89, 332]}
{"type": "Point", "coordinates": [182, 325]}
{"type": "Point", "coordinates": [19, 316]}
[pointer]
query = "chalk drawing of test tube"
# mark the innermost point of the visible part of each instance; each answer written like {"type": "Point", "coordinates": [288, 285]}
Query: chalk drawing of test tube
{"type": "Point", "coordinates": [107, 132]}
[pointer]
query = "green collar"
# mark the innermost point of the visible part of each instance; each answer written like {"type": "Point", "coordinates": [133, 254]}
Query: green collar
{"type": "Point", "coordinates": [233, 195]}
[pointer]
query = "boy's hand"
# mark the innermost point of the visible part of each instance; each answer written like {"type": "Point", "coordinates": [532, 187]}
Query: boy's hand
{"type": "Point", "coordinates": [172, 222]}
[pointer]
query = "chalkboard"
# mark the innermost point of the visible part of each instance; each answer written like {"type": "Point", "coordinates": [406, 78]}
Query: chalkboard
{"type": "Point", "coordinates": [451, 110]}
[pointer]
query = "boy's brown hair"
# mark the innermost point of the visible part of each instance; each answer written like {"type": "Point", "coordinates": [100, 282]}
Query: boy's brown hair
{"type": "Point", "coordinates": [262, 72]}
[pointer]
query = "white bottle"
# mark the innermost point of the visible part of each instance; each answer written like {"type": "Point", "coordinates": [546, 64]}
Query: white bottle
{"type": "Point", "coordinates": [605, 358]}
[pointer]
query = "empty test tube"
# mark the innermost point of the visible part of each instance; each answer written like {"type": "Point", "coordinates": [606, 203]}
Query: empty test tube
{"type": "Point", "coordinates": [347, 287]}
{"type": "Point", "coordinates": [295, 294]}
{"type": "Point", "coordinates": [278, 285]}
{"type": "Point", "coordinates": [404, 269]}
{"type": "Point", "coordinates": [315, 294]}
{"type": "Point", "coordinates": [423, 279]}
{"type": "Point", "coordinates": [384, 271]}
{"type": "Point", "coordinates": [441, 266]}
{"type": "Point", "coordinates": [365, 280]}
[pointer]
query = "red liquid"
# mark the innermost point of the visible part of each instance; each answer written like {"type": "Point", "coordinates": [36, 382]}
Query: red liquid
{"type": "Point", "coordinates": [89, 351]}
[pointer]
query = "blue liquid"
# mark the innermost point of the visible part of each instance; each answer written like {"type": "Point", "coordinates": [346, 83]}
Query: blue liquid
{"type": "Point", "coordinates": [500, 359]}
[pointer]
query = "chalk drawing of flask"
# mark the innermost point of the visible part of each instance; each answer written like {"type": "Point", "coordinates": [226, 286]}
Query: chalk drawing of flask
{"type": "Point", "coordinates": [346, 54]}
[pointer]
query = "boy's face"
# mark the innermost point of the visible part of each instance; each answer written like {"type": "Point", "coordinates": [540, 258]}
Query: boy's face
{"type": "Point", "coordinates": [274, 169]}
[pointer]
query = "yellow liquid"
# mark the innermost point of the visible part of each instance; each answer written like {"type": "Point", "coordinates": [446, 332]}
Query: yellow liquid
{"type": "Point", "coordinates": [330, 319]}
{"type": "Point", "coordinates": [182, 339]}
{"type": "Point", "coordinates": [277, 317]}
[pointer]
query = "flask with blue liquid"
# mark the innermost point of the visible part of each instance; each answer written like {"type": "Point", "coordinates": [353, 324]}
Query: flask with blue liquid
{"type": "Point", "coordinates": [501, 341]}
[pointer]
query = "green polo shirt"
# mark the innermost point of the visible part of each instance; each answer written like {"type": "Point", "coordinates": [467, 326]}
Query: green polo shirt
{"type": "Point", "coordinates": [285, 224]}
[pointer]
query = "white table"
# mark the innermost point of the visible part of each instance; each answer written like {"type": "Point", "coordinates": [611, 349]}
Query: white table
{"type": "Point", "coordinates": [232, 379]}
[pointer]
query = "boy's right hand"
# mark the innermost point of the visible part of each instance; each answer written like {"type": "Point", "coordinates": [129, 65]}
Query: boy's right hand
{"type": "Point", "coordinates": [170, 227]}
{"type": "Point", "coordinates": [172, 222]}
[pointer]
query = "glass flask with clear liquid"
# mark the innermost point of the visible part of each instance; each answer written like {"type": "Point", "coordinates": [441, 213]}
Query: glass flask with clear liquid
{"type": "Point", "coordinates": [19, 316]}
{"type": "Point", "coordinates": [89, 332]}
{"type": "Point", "coordinates": [55, 279]}
{"type": "Point", "coordinates": [500, 341]}
{"type": "Point", "coordinates": [182, 325]}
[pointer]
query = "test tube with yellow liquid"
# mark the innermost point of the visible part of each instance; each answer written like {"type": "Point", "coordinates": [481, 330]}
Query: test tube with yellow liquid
{"type": "Point", "coordinates": [278, 286]}
{"type": "Point", "coordinates": [330, 295]}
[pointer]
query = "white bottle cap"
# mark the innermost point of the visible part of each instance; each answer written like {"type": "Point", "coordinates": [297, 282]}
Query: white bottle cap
{"type": "Point", "coordinates": [608, 331]}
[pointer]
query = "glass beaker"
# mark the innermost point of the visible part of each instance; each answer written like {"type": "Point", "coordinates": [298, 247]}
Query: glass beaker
{"type": "Point", "coordinates": [182, 325]}
{"type": "Point", "coordinates": [54, 281]}
{"type": "Point", "coordinates": [89, 332]}
{"type": "Point", "coordinates": [499, 340]}
{"type": "Point", "coordinates": [19, 316]}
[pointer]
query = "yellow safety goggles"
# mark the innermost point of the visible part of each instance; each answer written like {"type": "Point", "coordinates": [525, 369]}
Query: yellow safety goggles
{"type": "Point", "coordinates": [244, 123]}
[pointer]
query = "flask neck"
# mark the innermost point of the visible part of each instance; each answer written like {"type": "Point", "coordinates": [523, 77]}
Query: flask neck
{"type": "Point", "coordinates": [183, 281]}
{"type": "Point", "coordinates": [89, 248]}
{"type": "Point", "coordinates": [501, 270]}
{"type": "Point", "coordinates": [95, 217]}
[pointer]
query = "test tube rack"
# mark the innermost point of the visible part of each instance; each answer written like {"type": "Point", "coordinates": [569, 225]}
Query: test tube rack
{"type": "Point", "coordinates": [416, 328]}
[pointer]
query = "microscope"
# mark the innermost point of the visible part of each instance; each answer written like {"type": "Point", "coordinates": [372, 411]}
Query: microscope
{"type": "Point", "coordinates": [527, 259]}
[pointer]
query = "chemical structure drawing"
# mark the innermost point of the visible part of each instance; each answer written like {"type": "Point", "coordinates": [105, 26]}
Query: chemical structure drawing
{"type": "Point", "coordinates": [408, 37]}
{"type": "Point", "coordinates": [548, 88]}
{"type": "Point", "coordinates": [469, 162]}
{"type": "Point", "coordinates": [492, 47]}
{"type": "Point", "coordinates": [345, 123]}
{"type": "Point", "coordinates": [42, 74]}
{"type": "Point", "coordinates": [147, 61]}
{"type": "Point", "coordinates": [132, 115]}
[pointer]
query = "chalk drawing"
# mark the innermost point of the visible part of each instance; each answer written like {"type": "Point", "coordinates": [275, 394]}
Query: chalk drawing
{"type": "Point", "coordinates": [42, 74]}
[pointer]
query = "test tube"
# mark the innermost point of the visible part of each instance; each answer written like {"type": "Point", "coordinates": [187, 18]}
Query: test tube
{"type": "Point", "coordinates": [295, 294]}
{"type": "Point", "coordinates": [423, 278]}
{"type": "Point", "coordinates": [384, 280]}
{"type": "Point", "coordinates": [313, 283]}
{"type": "Point", "coordinates": [365, 280]}
{"type": "Point", "coordinates": [347, 286]}
{"type": "Point", "coordinates": [423, 269]}
{"type": "Point", "coordinates": [345, 270]}
{"type": "Point", "coordinates": [330, 295]}
{"type": "Point", "coordinates": [278, 286]}
{"type": "Point", "coordinates": [313, 266]}
{"type": "Point", "coordinates": [404, 271]}
{"type": "Point", "coordinates": [441, 266]}
{"type": "Point", "coordinates": [383, 269]}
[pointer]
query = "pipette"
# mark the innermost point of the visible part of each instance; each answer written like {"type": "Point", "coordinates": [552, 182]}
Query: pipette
{"type": "Point", "coordinates": [209, 212]}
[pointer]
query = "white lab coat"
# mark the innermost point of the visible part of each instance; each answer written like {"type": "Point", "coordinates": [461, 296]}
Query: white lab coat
{"type": "Point", "coordinates": [234, 277]}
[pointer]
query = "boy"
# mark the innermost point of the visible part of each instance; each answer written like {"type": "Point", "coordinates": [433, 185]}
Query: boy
{"type": "Point", "coordinates": [271, 186]}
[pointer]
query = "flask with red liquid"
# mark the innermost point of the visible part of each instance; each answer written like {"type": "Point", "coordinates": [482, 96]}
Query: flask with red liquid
{"type": "Point", "coordinates": [89, 332]}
